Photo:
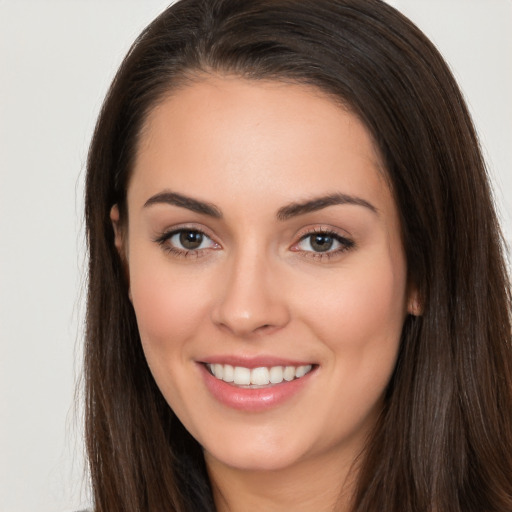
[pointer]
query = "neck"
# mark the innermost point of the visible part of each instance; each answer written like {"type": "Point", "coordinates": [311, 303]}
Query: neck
{"type": "Point", "coordinates": [309, 486]}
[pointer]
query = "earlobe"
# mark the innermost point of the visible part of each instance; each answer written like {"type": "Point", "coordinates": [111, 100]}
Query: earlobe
{"type": "Point", "coordinates": [414, 304]}
{"type": "Point", "coordinates": [116, 225]}
{"type": "Point", "coordinates": [119, 243]}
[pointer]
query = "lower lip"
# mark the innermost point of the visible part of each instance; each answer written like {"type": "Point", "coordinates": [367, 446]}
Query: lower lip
{"type": "Point", "coordinates": [253, 399]}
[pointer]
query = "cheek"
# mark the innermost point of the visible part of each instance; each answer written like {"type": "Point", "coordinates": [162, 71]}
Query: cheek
{"type": "Point", "coordinates": [359, 318]}
{"type": "Point", "coordinates": [168, 306]}
{"type": "Point", "coordinates": [360, 313]}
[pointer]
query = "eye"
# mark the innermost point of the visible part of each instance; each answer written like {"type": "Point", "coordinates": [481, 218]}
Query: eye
{"type": "Point", "coordinates": [323, 243]}
{"type": "Point", "coordinates": [318, 242]}
{"type": "Point", "coordinates": [183, 242]}
{"type": "Point", "coordinates": [189, 240]}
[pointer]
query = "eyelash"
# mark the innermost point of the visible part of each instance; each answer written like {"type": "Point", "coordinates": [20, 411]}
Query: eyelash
{"type": "Point", "coordinates": [345, 244]}
{"type": "Point", "coordinates": [164, 238]}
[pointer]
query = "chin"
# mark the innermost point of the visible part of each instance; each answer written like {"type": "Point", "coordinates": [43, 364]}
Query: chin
{"type": "Point", "coordinates": [254, 460]}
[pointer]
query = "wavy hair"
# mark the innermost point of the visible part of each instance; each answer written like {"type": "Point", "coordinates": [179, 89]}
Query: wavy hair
{"type": "Point", "coordinates": [443, 442]}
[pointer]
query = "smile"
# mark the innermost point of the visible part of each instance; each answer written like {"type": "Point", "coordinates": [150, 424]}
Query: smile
{"type": "Point", "coordinates": [256, 385]}
{"type": "Point", "coordinates": [257, 377]}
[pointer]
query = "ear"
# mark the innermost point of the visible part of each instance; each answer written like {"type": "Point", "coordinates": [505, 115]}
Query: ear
{"type": "Point", "coordinates": [119, 242]}
{"type": "Point", "coordinates": [414, 302]}
{"type": "Point", "coordinates": [116, 225]}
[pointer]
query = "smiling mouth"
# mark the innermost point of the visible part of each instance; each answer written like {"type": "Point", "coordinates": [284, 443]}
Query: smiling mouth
{"type": "Point", "coordinates": [254, 378]}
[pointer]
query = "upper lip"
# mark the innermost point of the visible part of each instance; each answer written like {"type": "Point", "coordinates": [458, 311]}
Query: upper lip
{"type": "Point", "coordinates": [254, 361]}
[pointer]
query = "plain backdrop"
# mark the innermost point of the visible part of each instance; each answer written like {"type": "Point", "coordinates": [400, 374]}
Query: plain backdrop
{"type": "Point", "coordinates": [56, 61]}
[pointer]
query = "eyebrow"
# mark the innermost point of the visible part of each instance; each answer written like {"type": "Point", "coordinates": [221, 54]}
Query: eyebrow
{"type": "Point", "coordinates": [284, 213]}
{"type": "Point", "coordinates": [185, 202]}
{"type": "Point", "coordinates": [295, 209]}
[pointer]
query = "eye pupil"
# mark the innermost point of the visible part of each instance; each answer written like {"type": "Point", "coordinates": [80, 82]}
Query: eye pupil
{"type": "Point", "coordinates": [321, 243]}
{"type": "Point", "coordinates": [191, 239]}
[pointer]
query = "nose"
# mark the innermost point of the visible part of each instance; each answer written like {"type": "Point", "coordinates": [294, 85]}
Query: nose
{"type": "Point", "coordinates": [251, 298]}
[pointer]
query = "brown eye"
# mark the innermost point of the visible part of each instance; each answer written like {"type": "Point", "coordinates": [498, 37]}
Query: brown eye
{"type": "Point", "coordinates": [186, 242]}
{"type": "Point", "coordinates": [191, 240]}
{"type": "Point", "coordinates": [321, 242]}
{"type": "Point", "coordinates": [325, 242]}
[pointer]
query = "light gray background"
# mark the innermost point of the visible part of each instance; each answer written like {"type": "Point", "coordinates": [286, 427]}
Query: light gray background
{"type": "Point", "coordinates": [56, 61]}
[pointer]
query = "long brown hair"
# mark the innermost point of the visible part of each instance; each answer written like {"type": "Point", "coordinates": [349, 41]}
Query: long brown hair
{"type": "Point", "coordinates": [443, 442]}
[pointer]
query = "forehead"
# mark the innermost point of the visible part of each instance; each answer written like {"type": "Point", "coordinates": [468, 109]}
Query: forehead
{"type": "Point", "coordinates": [269, 137]}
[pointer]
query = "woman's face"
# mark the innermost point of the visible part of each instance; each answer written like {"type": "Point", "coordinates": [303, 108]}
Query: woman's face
{"type": "Point", "coordinates": [266, 270]}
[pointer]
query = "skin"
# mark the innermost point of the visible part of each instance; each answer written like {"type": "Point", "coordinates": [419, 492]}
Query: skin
{"type": "Point", "coordinates": [257, 286]}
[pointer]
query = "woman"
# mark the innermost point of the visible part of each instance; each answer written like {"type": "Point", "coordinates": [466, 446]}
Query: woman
{"type": "Point", "coordinates": [297, 298]}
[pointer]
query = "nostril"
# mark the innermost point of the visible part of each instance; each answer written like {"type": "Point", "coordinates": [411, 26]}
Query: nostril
{"type": "Point", "coordinates": [265, 328]}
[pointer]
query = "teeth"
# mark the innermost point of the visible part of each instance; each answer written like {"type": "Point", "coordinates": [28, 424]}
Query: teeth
{"type": "Point", "coordinates": [256, 377]}
{"type": "Point", "coordinates": [301, 371]}
{"type": "Point", "coordinates": [289, 373]}
{"type": "Point", "coordinates": [276, 374]}
{"type": "Point", "coordinates": [260, 376]}
{"type": "Point", "coordinates": [228, 374]}
{"type": "Point", "coordinates": [242, 376]}
{"type": "Point", "coordinates": [219, 370]}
